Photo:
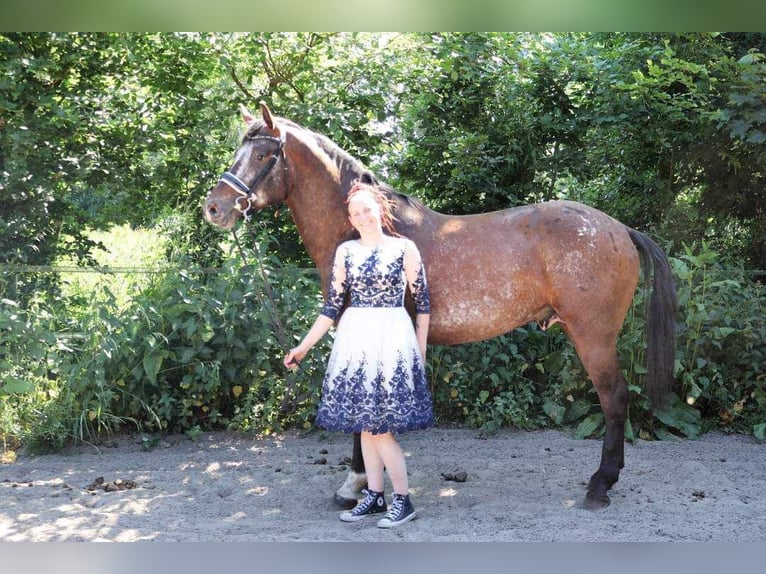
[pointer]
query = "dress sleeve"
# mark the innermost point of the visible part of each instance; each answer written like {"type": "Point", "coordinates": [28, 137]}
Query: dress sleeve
{"type": "Point", "coordinates": [416, 278]}
{"type": "Point", "coordinates": [336, 292]}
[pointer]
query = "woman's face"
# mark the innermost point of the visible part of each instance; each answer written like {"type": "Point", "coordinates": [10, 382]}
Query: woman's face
{"type": "Point", "coordinates": [364, 212]}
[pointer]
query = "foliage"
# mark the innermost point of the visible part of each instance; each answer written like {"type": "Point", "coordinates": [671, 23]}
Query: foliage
{"type": "Point", "coordinates": [662, 131]}
{"type": "Point", "coordinates": [102, 128]}
{"type": "Point", "coordinates": [192, 350]}
{"type": "Point", "coordinates": [98, 129]}
{"type": "Point", "coordinates": [31, 404]}
{"type": "Point", "coordinates": [197, 349]}
{"type": "Point", "coordinates": [722, 358]}
{"type": "Point", "coordinates": [472, 140]}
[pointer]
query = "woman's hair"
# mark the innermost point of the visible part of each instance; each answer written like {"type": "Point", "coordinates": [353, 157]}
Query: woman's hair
{"type": "Point", "coordinates": [386, 215]}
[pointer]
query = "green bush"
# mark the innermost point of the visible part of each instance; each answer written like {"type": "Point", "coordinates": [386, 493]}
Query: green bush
{"type": "Point", "coordinates": [496, 383]}
{"type": "Point", "coordinates": [32, 408]}
{"type": "Point", "coordinates": [721, 352]}
{"type": "Point", "coordinates": [201, 349]}
{"type": "Point", "coordinates": [193, 350]}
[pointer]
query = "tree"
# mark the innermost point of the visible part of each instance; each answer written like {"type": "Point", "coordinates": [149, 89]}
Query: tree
{"type": "Point", "coordinates": [101, 129]}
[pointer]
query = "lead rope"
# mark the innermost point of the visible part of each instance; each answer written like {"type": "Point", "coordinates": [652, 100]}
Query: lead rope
{"type": "Point", "coordinates": [288, 401]}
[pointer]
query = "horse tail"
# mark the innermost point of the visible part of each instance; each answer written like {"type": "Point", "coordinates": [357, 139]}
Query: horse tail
{"type": "Point", "coordinates": [660, 317]}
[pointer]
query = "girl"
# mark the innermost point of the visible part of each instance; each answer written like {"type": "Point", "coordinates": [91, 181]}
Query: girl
{"type": "Point", "coordinates": [375, 381]}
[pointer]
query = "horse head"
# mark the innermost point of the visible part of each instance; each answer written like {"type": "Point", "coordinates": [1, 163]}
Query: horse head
{"type": "Point", "coordinates": [254, 180]}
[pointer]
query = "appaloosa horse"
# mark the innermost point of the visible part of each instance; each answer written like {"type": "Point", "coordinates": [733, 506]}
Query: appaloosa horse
{"type": "Point", "coordinates": [558, 261]}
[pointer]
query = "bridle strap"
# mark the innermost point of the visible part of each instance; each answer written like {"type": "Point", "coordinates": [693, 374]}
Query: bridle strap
{"type": "Point", "coordinates": [247, 192]}
{"type": "Point", "coordinates": [238, 185]}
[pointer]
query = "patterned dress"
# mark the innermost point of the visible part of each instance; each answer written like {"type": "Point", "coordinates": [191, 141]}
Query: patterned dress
{"type": "Point", "coordinates": [375, 379]}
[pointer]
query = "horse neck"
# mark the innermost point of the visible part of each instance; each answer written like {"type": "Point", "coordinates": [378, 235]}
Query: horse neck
{"type": "Point", "coordinates": [320, 172]}
{"type": "Point", "coordinates": [310, 217]}
{"type": "Point", "coordinates": [317, 205]}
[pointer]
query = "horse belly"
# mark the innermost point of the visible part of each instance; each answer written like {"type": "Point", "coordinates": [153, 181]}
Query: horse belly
{"type": "Point", "coordinates": [479, 291]}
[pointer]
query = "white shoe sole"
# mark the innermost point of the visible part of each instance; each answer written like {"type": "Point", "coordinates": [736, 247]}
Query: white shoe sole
{"type": "Point", "coordinates": [348, 517]}
{"type": "Point", "coordinates": [386, 523]}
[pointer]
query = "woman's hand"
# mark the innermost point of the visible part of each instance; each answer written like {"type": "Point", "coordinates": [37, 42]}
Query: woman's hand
{"type": "Point", "coordinates": [294, 357]}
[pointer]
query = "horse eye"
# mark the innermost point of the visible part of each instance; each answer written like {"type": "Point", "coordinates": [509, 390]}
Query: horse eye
{"type": "Point", "coordinates": [259, 156]}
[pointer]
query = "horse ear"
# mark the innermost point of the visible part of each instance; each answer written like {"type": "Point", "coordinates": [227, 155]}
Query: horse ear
{"type": "Point", "coordinates": [247, 117]}
{"type": "Point", "coordinates": [267, 117]}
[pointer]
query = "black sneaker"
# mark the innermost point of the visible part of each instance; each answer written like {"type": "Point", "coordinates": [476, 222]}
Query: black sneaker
{"type": "Point", "coordinates": [401, 511]}
{"type": "Point", "coordinates": [372, 503]}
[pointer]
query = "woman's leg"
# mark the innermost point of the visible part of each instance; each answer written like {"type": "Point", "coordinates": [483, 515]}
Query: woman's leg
{"type": "Point", "coordinates": [374, 502]}
{"type": "Point", "coordinates": [391, 454]}
{"type": "Point", "coordinates": [392, 459]}
{"type": "Point", "coordinates": [373, 463]}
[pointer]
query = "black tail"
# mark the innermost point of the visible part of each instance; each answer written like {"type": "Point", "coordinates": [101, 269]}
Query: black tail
{"type": "Point", "coordinates": [660, 318]}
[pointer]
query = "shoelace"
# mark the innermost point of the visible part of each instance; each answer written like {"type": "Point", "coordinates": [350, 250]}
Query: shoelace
{"type": "Point", "coordinates": [368, 501]}
{"type": "Point", "coordinates": [396, 507]}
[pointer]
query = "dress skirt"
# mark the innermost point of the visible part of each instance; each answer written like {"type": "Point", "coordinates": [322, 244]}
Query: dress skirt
{"type": "Point", "coordinates": [375, 379]}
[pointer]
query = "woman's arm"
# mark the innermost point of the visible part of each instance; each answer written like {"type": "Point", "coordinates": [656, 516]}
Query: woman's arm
{"type": "Point", "coordinates": [295, 355]}
{"type": "Point", "coordinates": [416, 279]}
{"type": "Point", "coordinates": [327, 316]}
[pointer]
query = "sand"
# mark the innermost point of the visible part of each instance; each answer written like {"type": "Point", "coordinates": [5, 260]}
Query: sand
{"type": "Point", "coordinates": [518, 486]}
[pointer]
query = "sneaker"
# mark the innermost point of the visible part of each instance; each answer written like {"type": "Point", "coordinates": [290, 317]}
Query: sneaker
{"type": "Point", "coordinates": [372, 503]}
{"type": "Point", "coordinates": [401, 511]}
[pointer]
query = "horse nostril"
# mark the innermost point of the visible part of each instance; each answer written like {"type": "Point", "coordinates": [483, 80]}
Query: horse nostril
{"type": "Point", "coordinates": [212, 210]}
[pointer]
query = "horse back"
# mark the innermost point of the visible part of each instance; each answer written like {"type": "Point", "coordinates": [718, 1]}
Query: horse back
{"type": "Point", "coordinates": [490, 273]}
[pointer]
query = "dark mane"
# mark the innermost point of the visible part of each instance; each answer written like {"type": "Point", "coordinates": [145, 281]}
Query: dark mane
{"type": "Point", "coordinates": [402, 199]}
{"type": "Point", "coordinates": [352, 169]}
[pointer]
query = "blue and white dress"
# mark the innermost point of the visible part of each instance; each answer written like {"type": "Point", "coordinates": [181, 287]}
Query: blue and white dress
{"type": "Point", "coordinates": [375, 379]}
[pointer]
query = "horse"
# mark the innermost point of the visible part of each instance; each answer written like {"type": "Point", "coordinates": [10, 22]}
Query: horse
{"type": "Point", "coordinates": [552, 262]}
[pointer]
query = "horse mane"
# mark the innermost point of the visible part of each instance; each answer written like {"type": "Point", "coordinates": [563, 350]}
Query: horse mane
{"type": "Point", "coordinates": [404, 204]}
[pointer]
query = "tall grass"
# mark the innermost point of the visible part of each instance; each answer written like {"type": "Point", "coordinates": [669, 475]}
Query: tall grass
{"type": "Point", "coordinates": [129, 257]}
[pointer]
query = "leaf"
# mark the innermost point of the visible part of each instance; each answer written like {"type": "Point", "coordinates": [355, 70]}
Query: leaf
{"type": "Point", "coordinates": [662, 434]}
{"type": "Point", "coordinates": [723, 332]}
{"type": "Point", "coordinates": [14, 386]}
{"type": "Point", "coordinates": [628, 434]}
{"type": "Point", "coordinates": [152, 365]}
{"type": "Point", "coordinates": [577, 410]}
{"type": "Point", "coordinates": [759, 431]}
{"type": "Point", "coordinates": [682, 417]}
{"type": "Point", "coordinates": [555, 411]}
{"type": "Point", "coordinates": [589, 425]}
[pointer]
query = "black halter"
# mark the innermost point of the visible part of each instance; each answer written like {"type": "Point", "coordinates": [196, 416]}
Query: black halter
{"type": "Point", "coordinates": [242, 188]}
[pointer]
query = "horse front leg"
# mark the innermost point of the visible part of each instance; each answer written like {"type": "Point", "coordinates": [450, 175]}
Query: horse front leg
{"type": "Point", "coordinates": [613, 396]}
{"type": "Point", "coordinates": [346, 496]}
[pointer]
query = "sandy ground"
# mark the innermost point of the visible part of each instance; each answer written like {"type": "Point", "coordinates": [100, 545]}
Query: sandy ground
{"type": "Point", "coordinates": [519, 486]}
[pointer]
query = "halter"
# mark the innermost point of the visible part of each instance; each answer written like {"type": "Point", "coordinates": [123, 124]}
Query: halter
{"type": "Point", "coordinates": [248, 192]}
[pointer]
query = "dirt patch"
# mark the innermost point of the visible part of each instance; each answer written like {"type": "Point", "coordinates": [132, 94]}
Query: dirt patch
{"type": "Point", "coordinates": [509, 486]}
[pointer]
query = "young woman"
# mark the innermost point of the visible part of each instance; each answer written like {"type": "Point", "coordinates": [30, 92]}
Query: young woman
{"type": "Point", "coordinates": [375, 381]}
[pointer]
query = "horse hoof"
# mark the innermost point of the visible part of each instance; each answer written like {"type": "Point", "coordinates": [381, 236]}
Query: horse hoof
{"type": "Point", "coordinates": [595, 502]}
{"type": "Point", "coordinates": [343, 502]}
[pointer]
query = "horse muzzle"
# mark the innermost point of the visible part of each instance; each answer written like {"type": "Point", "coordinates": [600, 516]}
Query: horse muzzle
{"type": "Point", "coordinates": [220, 214]}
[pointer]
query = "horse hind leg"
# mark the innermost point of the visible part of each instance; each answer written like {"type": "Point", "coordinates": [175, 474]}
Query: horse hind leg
{"type": "Point", "coordinates": [600, 361]}
{"type": "Point", "coordinates": [346, 496]}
